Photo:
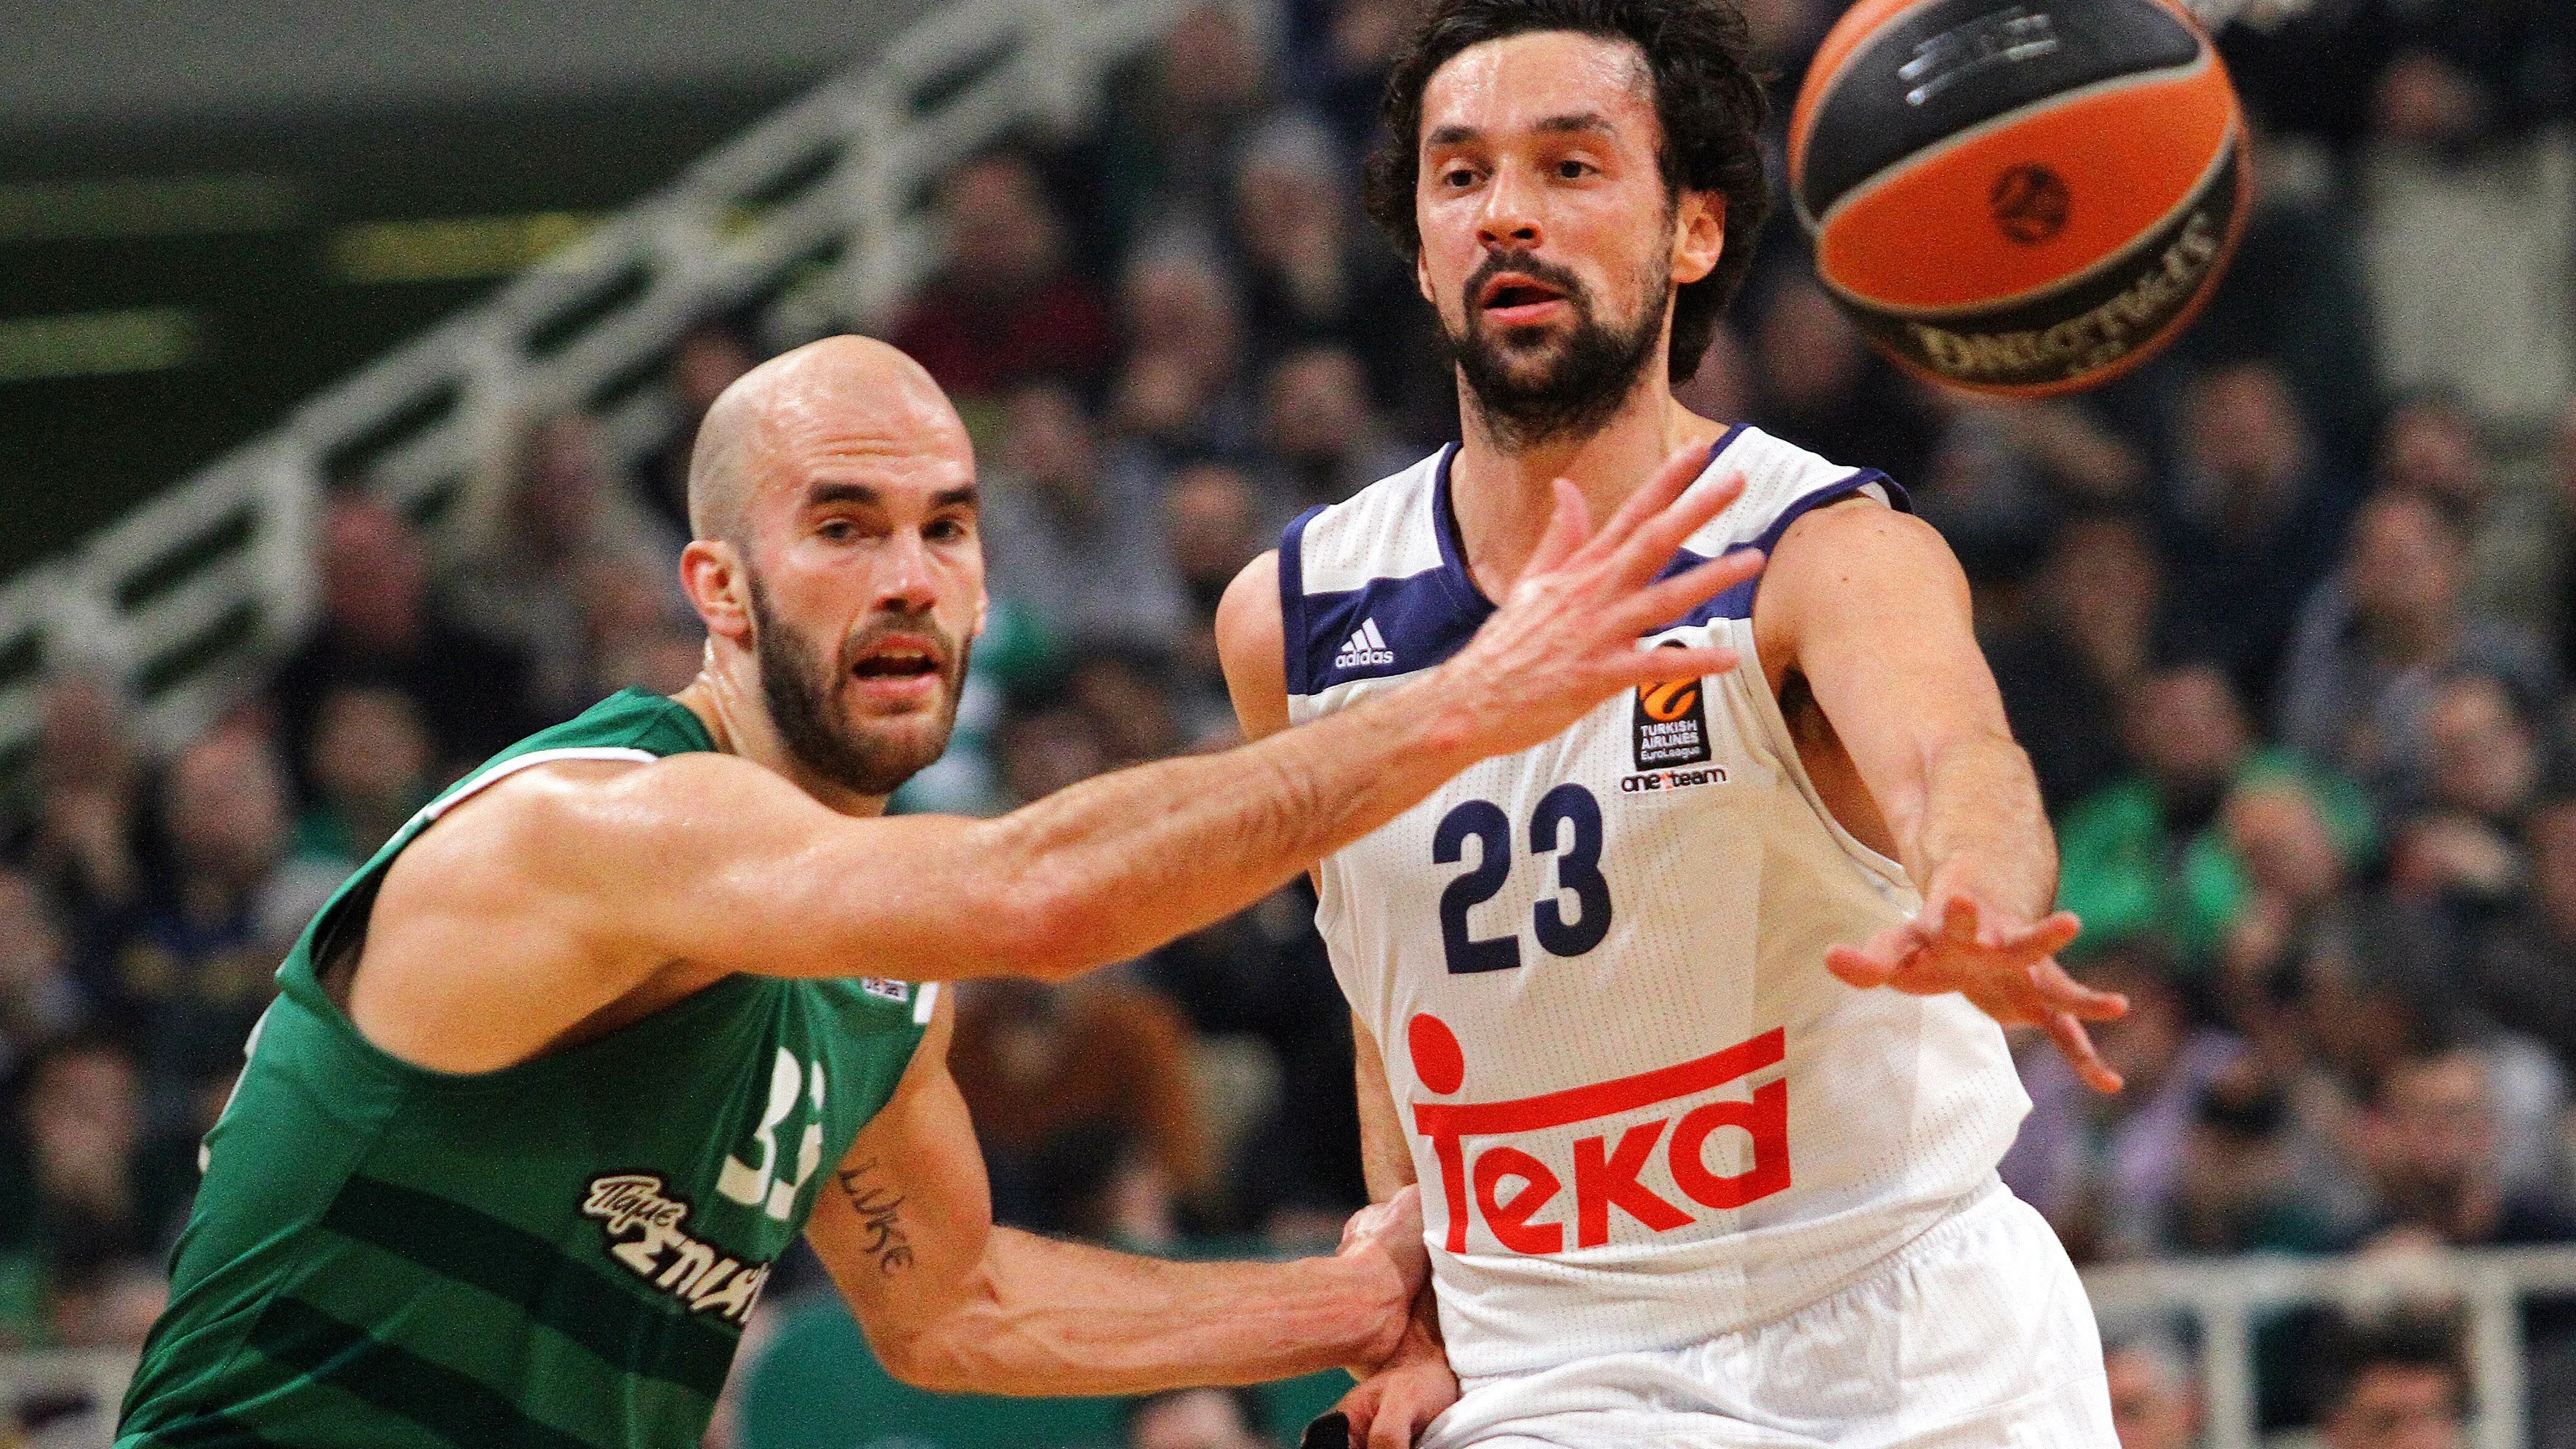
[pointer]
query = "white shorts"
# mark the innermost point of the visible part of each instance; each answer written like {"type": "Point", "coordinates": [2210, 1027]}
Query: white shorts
{"type": "Point", "coordinates": [1976, 1335]}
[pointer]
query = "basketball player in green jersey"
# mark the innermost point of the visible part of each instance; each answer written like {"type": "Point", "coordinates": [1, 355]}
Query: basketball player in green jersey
{"type": "Point", "coordinates": [555, 1076]}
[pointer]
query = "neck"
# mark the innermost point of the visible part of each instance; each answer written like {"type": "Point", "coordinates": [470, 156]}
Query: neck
{"type": "Point", "coordinates": [1503, 494]}
{"type": "Point", "coordinates": [726, 698]}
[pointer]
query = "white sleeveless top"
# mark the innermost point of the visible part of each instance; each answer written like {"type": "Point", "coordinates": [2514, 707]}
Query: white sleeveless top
{"type": "Point", "coordinates": [1642, 1112]}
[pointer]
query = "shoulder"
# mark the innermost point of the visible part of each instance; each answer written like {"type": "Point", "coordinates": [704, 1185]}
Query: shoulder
{"type": "Point", "coordinates": [1252, 646]}
{"type": "Point", "coordinates": [1386, 530]}
{"type": "Point", "coordinates": [1783, 484]}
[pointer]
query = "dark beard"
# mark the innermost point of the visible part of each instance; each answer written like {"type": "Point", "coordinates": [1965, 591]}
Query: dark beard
{"type": "Point", "coordinates": [797, 684]}
{"type": "Point", "coordinates": [1594, 370]}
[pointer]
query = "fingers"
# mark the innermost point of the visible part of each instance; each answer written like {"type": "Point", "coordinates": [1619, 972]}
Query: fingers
{"type": "Point", "coordinates": [1669, 482]}
{"type": "Point", "coordinates": [1875, 962]}
{"type": "Point", "coordinates": [2076, 1045]}
{"type": "Point", "coordinates": [1659, 604]}
{"type": "Point", "coordinates": [1392, 1426]}
{"type": "Point", "coordinates": [1568, 525]}
{"type": "Point", "coordinates": [2064, 993]}
{"type": "Point", "coordinates": [1658, 538]}
{"type": "Point", "coordinates": [1654, 666]}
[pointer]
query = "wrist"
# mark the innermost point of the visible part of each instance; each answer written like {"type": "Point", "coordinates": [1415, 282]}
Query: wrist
{"type": "Point", "coordinates": [1377, 1303]}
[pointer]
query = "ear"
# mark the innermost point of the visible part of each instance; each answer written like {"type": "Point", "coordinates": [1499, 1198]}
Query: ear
{"type": "Point", "coordinates": [1699, 235]}
{"type": "Point", "coordinates": [1422, 276]}
{"type": "Point", "coordinates": [983, 613]}
{"type": "Point", "coordinates": [711, 573]}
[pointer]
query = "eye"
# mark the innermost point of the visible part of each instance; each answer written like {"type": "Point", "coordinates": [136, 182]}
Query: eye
{"type": "Point", "coordinates": [946, 530]}
{"type": "Point", "coordinates": [837, 530]}
{"type": "Point", "coordinates": [1458, 178]}
{"type": "Point", "coordinates": [1573, 170]}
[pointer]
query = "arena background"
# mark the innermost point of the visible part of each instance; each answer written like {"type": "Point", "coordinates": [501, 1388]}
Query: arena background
{"type": "Point", "coordinates": [348, 361]}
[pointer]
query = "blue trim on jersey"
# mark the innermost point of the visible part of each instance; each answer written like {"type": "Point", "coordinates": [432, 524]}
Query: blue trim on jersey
{"type": "Point", "coordinates": [1453, 544]}
{"type": "Point", "coordinates": [1737, 602]}
{"type": "Point", "coordinates": [1418, 617]}
{"type": "Point", "coordinates": [1292, 598]}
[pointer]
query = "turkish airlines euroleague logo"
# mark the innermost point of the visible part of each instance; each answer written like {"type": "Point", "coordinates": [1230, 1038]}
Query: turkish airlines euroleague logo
{"type": "Point", "coordinates": [1516, 1192]}
{"type": "Point", "coordinates": [1671, 723]}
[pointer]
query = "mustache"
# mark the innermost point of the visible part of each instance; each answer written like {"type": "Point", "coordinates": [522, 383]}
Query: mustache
{"type": "Point", "coordinates": [1537, 270]}
{"type": "Point", "coordinates": [923, 624]}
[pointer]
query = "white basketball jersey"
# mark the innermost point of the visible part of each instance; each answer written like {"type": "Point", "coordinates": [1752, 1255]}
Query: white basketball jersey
{"type": "Point", "coordinates": [1642, 1112]}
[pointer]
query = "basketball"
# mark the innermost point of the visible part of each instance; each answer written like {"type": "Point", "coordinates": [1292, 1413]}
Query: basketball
{"type": "Point", "coordinates": [2018, 200]}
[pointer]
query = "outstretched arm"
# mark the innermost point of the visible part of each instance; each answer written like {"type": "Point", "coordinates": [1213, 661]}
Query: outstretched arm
{"type": "Point", "coordinates": [1870, 606]}
{"type": "Point", "coordinates": [951, 1302]}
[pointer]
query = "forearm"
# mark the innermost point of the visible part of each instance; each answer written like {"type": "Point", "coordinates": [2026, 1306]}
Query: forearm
{"type": "Point", "coordinates": [1048, 1318]}
{"type": "Point", "coordinates": [1123, 862]}
{"type": "Point", "coordinates": [1983, 827]}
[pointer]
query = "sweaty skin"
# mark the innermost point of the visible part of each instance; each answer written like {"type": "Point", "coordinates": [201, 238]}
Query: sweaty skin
{"type": "Point", "coordinates": [575, 897]}
{"type": "Point", "coordinates": [1544, 145]}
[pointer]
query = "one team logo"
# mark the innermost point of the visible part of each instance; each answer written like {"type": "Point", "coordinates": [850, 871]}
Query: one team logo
{"type": "Point", "coordinates": [1365, 649]}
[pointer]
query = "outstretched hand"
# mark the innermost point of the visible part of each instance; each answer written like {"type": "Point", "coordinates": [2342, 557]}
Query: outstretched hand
{"type": "Point", "coordinates": [2007, 967]}
{"type": "Point", "coordinates": [1565, 637]}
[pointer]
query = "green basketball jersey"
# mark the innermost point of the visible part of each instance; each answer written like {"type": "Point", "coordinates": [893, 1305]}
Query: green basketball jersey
{"type": "Point", "coordinates": [560, 1254]}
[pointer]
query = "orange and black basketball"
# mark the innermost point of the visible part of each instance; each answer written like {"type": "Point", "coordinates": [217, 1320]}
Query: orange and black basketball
{"type": "Point", "coordinates": [2019, 198]}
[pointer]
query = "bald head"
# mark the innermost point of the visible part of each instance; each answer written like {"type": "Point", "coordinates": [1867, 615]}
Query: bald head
{"type": "Point", "coordinates": [849, 399]}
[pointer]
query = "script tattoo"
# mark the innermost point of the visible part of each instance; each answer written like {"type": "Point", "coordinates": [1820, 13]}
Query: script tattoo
{"type": "Point", "coordinates": [877, 1207]}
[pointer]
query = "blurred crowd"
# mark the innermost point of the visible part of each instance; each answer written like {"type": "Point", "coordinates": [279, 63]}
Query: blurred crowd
{"type": "Point", "coordinates": [2285, 619]}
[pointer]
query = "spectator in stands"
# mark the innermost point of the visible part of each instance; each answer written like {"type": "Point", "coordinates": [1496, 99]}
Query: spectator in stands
{"type": "Point", "coordinates": [2241, 1188]}
{"type": "Point", "coordinates": [370, 771]}
{"type": "Point", "coordinates": [1212, 527]}
{"type": "Point", "coordinates": [1086, 1105]}
{"type": "Point", "coordinates": [1044, 746]}
{"type": "Point", "coordinates": [2432, 443]}
{"type": "Point", "coordinates": [378, 628]}
{"type": "Point", "coordinates": [2396, 1385]}
{"type": "Point", "coordinates": [2376, 642]}
{"type": "Point", "coordinates": [1313, 277]}
{"type": "Point", "coordinates": [2155, 1398]}
{"type": "Point", "coordinates": [1722, 387]}
{"type": "Point", "coordinates": [703, 363]}
{"type": "Point", "coordinates": [1122, 692]}
{"type": "Point", "coordinates": [2249, 527]}
{"type": "Point", "coordinates": [2561, 626]}
{"type": "Point", "coordinates": [2485, 762]}
{"type": "Point", "coordinates": [1324, 440]}
{"type": "Point", "coordinates": [1066, 526]}
{"type": "Point", "coordinates": [2103, 1169]}
{"type": "Point", "coordinates": [1816, 384]}
{"type": "Point", "coordinates": [195, 964]}
{"type": "Point", "coordinates": [2431, 1148]}
{"type": "Point", "coordinates": [2520, 970]}
{"type": "Point", "coordinates": [90, 788]}
{"type": "Point", "coordinates": [1005, 309]}
{"type": "Point", "coordinates": [1182, 386]}
{"type": "Point", "coordinates": [38, 999]}
{"type": "Point", "coordinates": [92, 1197]}
{"type": "Point", "coordinates": [2211, 827]}
{"type": "Point", "coordinates": [2074, 640]}
{"type": "Point", "coordinates": [1196, 1419]}
{"type": "Point", "coordinates": [1338, 57]}
{"type": "Point", "coordinates": [566, 532]}
{"type": "Point", "coordinates": [1176, 121]}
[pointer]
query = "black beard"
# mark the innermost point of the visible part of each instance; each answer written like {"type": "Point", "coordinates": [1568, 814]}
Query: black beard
{"type": "Point", "coordinates": [1583, 385]}
{"type": "Point", "coordinates": [797, 684]}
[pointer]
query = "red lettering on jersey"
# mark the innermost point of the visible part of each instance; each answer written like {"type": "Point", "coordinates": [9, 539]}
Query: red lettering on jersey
{"type": "Point", "coordinates": [1602, 1181]}
{"type": "Point", "coordinates": [1606, 1177]}
{"type": "Point", "coordinates": [1766, 1117]}
{"type": "Point", "coordinates": [1511, 1220]}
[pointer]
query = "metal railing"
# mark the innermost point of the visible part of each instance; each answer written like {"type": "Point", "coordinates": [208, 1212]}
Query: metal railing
{"type": "Point", "coordinates": [815, 215]}
{"type": "Point", "coordinates": [2226, 1296]}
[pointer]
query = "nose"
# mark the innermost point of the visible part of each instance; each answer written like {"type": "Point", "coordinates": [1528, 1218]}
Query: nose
{"type": "Point", "coordinates": [905, 584]}
{"type": "Point", "coordinates": [1509, 221]}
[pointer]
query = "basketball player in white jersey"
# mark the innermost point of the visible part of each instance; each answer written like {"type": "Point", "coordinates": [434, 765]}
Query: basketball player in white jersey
{"type": "Point", "coordinates": [1686, 1021]}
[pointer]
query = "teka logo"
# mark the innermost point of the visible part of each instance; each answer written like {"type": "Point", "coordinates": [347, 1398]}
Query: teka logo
{"type": "Point", "coordinates": [1606, 1175]}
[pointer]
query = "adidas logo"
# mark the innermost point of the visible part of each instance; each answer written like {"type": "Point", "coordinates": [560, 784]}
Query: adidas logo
{"type": "Point", "coordinates": [1365, 647]}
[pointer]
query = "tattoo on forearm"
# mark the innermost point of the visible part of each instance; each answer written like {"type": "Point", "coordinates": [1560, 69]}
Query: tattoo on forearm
{"type": "Point", "coordinates": [877, 1207]}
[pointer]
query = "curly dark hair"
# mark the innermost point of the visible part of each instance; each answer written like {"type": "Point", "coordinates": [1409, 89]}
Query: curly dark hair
{"type": "Point", "coordinates": [1708, 102]}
